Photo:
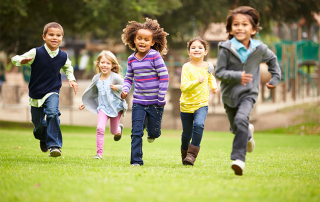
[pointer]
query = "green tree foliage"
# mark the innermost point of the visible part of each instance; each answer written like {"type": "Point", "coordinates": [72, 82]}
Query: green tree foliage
{"type": "Point", "coordinates": [22, 21]}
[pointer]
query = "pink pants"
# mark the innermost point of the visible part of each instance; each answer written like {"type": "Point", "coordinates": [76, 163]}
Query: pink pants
{"type": "Point", "coordinates": [114, 128]}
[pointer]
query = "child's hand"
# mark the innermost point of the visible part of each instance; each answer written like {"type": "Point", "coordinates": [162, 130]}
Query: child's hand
{"type": "Point", "coordinates": [201, 79]}
{"type": "Point", "coordinates": [113, 87]}
{"type": "Point", "coordinates": [214, 91]}
{"type": "Point", "coordinates": [81, 106]}
{"type": "Point", "coordinates": [270, 86]}
{"type": "Point", "coordinates": [26, 60]}
{"type": "Point", "coordinates": [74, 85]}
{"type": "Point", "coordinates": [124, 95]}
{"type": "Point", "coordinates": [246, 78]}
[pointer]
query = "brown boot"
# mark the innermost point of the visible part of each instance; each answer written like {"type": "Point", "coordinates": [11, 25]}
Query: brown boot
{"type": "Point", "coordinates": [183, 155]}
{"type": "Point", "coordinates": [191, 155]}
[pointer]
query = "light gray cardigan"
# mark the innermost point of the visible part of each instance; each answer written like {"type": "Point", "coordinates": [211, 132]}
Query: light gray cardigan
{"type": "Point", "coordinates": [90, 95]}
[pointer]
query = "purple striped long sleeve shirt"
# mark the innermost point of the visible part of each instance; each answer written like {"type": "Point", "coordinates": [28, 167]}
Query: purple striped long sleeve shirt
{"type": "Point", "coordinates": [151, 79]}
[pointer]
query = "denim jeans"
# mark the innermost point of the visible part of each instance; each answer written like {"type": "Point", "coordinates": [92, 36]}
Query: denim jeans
{"type": "Point", "coordinates": [47, 130]}
{"type": "Point", "coordinates": [148, 116]}
{"type": "Point", "coordinates": [192, 126]}
{"type": "Point", "coordinates": [239, 125]}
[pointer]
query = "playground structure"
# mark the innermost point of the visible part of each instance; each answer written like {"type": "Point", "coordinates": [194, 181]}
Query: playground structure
{"type": "Point", "coordinates": [300, 70]}
{"type": "Point", "coordinates": [299, 63]}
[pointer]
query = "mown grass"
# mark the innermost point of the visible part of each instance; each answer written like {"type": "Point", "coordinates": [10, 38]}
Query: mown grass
{"type": "Point", "coordinates": [309, 120]}
{"type": "Point", "coordinates": [281, 168]}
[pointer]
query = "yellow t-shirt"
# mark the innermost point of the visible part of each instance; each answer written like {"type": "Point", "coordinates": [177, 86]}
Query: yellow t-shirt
{"type": "Point", "coordinates": [194, 94]}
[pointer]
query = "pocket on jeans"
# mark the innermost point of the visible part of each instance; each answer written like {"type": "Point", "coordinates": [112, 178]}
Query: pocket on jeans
{"type": "Point", "coordinates": [134, 105]}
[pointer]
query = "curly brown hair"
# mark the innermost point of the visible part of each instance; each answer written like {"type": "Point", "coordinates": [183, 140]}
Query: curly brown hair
{"type": "Point", "coordinates": [159, 35]}
{"type": "Point", "coordinates": [252, 15]}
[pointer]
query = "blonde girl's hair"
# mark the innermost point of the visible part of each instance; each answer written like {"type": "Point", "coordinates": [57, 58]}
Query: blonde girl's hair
{"type": "Point", "coordinates": [116, 67]}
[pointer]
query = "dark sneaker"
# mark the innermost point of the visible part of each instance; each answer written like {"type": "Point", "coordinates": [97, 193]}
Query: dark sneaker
{"type": "Point", "coordinates": [43, 146]}
{"type": "Point", "coordinates": [54, 152]}
{"type": "Point", "coordinates": [150, 139]}
{"type": "Point", "coordinates": [117, 137]}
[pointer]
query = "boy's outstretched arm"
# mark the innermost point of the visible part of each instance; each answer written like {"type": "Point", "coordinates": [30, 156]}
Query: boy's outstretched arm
{"type": "Point", "coordinates": [74, 85]}
{"type": "Point", "coordinates": [68, 70]}
{"type": "Point", "coordinates": [26, 58]}
{"type": "Point", "coordinates": [273, 67]}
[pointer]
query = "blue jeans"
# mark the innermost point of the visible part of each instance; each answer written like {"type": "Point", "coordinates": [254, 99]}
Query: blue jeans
{"type": "Point", "coordinates": [192, 126]}
{"type": "Point", "coordinates": [47, 130]}
{"type": "Point", "coordinates": [148, 116]}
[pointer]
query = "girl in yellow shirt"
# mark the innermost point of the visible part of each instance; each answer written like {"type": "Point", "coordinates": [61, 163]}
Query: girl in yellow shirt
{"type": "Point", "coordinates": [195, 77]}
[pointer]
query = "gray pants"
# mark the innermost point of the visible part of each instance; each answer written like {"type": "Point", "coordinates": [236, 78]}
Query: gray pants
{"type": "Point", "coordinates": [239, 125]}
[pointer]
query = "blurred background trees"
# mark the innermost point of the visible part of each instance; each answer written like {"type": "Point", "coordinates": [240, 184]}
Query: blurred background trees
{"type": "Point", "coordinates": [22, 21]}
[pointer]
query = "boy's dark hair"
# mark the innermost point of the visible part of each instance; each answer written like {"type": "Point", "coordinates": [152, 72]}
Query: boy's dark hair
{"type": "Point", "coordinates": [51, 25]}
{"type": "Point", "coordinates": [198, 38]}
{"type": "Point", "coordinates": [252, 15]}
{"type": "Point", "coordinates": [159, 35]}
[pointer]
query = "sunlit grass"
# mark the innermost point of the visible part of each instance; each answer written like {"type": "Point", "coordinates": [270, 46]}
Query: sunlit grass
{"type": "Point", "coordinates": [281, 168]}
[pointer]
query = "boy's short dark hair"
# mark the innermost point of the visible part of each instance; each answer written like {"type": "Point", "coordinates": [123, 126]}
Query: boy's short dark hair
{"type": "Point", "coordinates": [51, 25]}
{"type": "Point", "coordinates": [202, 41]}
{"type": "Point", "coordinates": [251, 13]}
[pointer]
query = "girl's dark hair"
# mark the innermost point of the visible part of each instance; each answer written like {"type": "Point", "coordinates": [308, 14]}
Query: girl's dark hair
{"type": "Point", "coordinates": [198, 38]}
{"type": "Point", "coordinates": [252, 15]}
{"type": "Point", "coordinates": [159, 35]}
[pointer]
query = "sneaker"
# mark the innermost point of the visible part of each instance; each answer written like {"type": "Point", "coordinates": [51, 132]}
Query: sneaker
{"type": "Point", "coordinates": [251, 143]}
{"type": "Point", "coordinates": [55, 152]}
{"type": "Point", "coordinates": [135, 164]}
{"type": "Point", "coordinates": [43, 146]}
{"type": "Point", "coordinates": [97, 156]}
{"type": "Point", "coordinates": [117, 137]}
{"type": "Point", "coordinates": [238, 166]}
{"type": "Point", "coordinates": [150, 139]}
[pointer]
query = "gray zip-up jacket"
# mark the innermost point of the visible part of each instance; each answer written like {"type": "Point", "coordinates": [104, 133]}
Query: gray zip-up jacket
{"type": "Point", "coordinates": [229, 70]}
{"type": "Point", "coordinates": [90, 95]}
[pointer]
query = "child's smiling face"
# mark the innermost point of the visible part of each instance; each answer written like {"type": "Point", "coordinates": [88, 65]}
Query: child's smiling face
{"type": "Point", "coordinates": [105, 65]}
{"type": "Point", "coordinates": [242, 29]}
{"type": "Point", "coordinates": [53, 38]}
{"type": "Point", "coordinates": [197, 51]}
{"type": "Point", "coordinates": [144, 40]}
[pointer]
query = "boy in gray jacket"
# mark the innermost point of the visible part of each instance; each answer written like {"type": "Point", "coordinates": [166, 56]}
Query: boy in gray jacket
{"type": "Point", "coordinates": [238, 70]}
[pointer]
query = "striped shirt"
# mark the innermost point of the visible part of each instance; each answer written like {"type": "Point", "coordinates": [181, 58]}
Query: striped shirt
{"type": "Point", "coordinates": [151, 79]}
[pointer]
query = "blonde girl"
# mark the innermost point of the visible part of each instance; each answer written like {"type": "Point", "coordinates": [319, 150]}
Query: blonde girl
{"type": "Point", "coordinates": [102, 97]}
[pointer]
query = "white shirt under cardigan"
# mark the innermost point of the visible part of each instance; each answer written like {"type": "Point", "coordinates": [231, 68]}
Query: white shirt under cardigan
{"type": "Point", "coordinates": [90, 96]}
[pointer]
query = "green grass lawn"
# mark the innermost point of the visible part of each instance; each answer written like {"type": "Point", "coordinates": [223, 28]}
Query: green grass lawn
{"type": "Point", "coordinates": [281, 168]}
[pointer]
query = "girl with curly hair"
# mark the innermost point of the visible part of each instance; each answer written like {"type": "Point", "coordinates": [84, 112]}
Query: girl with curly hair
{"type": "Point", "coordinates": [147, 68]}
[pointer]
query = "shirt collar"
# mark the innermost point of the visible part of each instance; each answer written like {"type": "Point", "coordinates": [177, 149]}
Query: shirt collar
{"type": "Point", "coordinates": [238, 45]}
{"type": "Point", "coordinates": [50, 51]}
